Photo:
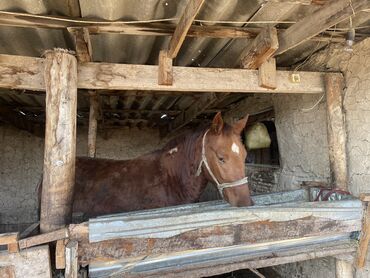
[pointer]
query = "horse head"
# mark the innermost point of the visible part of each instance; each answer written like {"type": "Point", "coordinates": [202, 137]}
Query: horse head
{"type": "Point", "coordinates": [223, 160]}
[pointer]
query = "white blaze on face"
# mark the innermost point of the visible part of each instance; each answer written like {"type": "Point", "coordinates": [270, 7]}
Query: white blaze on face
{"type": "Point", "coordinates": [235, 148]}
{"type": "Point", "coordinates": [174, 150]}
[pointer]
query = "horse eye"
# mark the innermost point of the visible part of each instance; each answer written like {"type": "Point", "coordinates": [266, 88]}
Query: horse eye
{"type": "Point", "coordinates": [221, 160]}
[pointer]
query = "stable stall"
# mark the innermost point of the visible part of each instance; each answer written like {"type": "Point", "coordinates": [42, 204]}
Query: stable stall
{"type": "Point", "coordinates": [193, 240]}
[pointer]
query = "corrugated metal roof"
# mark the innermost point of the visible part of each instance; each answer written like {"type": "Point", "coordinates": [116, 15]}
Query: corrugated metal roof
{"type": "Point", "coordinates": [117, 48]}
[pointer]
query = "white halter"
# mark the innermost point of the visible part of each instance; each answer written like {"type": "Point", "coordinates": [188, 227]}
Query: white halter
{"type": "Point", "coordinates": [220, 186]}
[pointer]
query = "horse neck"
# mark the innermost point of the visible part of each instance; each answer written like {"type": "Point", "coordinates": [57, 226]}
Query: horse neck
{"type": "Point", "coordinates": [182, 158]}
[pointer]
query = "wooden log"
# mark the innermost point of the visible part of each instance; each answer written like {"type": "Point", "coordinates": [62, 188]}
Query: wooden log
{"type": "Point", "coordinates": [19, 72]}
{"type": "Point", "coordinates": [329, 15]}
{"type": "Point", "coordinates": [336, 130]}
{"type": "Point", "coordinates": [71, 260]}
{"type": "Point", "coordinates": [191, 10]}
{"type": "Point", "coordinates": [44, 238]}
{"type": "Point", "coordinates": [32, 262]}
{"type": "Point", "coordinates": [93, 123]}
{"type": "Point", "coordinates": [267, 74]}
{"type": "Point", "coordinates": [261, 49]}
{"type": "Point", "coordinates": [363, 245]}
{"type": "Point", "coordinates": [337, 147]}
{"type": "Point", "coordinates": [60, 254]}
{"type": "Point", "coordinates": [165, 71]}
{"type": "Point", "coordinates": [60, 140]}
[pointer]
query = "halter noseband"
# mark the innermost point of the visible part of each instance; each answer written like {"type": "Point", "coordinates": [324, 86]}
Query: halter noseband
{"type": "Point", "coordinates": [220, 186]}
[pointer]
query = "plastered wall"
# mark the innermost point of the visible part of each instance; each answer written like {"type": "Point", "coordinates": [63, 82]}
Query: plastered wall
{"type": "Point", "coordinates": [21, 158]}
{"type": "Point", "coordinates": [302, 138]}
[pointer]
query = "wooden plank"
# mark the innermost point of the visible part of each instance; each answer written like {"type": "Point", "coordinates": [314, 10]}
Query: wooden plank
{"type": "Point", "coordinates": [261, 49]}
{"type": "Point", "coordinates": [363, 246]}
{"type": "Point", "coordinates": [32, 262]}
{"type": "Point", "coordinates": [16, 74]}
{"type": "Point", "coordinates": [29, 230]}
{"type": "Point", "coordinates": [13, 247]}
{"type": "Point", "coordinates": [330, 14]}
{"type": "Point", "coordinates": [267, 74]}
{"type": "Point", "coordinates": [82, 44]}
{"type": "Point", "coordinates": [365, 197]}
{"type": "Point", "coordinates": [8, 238]}
{"type": "Point", "coordinates": [191, 10]}
{"type": "Point", "coordinates": [60, 140]}
{"type": "Point", "coordinates": [336, 130]}
{"type": "Point", "coordinates": [71, 260]}
{"type": "Point", "coordinates": [60, 254]}
{"type": "Point", "coordinates": [44, 238]}
{"type": "Point", "coordinates": [165, 71]}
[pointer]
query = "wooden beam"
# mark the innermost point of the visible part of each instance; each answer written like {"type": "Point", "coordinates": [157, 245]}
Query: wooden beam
{"type": "Point", "coordinates": [8, 238]}
{"type": "Point", "coordinates": [165, 70]}
{"type": "Point", "coordinates": [182, 28]}
{"type": "Point", "coordinates": [84, 55]}
{"type": "Point", "coordinates": [71, 260]}
{"type": "Point", "coordinates": [336, 130]}
{"type": "Point", "coordinates": [267, 74]}
{"type": "Point", "coordinates": [60, 140]}
{"type": "Point", "coordinates": [93, 123]}
{"type": "Point", "coordinates": [363, 245]}
{"type": "Point", "coordinates": [43, 238]}
{"type": "Point", "coordinates": [337, 147]}
{"type": "Point", "coordinates": [330, 14]}
{"type": "Point", "coordinates": [60, 254]}
{"type": "Point", "coordinates": [82, 44]}
{"type": "Point", "coordinates": [19, 72]}
{"type": "Point", "coordinates": [261, 49]}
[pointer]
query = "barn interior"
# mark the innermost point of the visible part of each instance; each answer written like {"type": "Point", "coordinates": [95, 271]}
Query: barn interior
{"type": "Point", "coordinates": [312, 36]}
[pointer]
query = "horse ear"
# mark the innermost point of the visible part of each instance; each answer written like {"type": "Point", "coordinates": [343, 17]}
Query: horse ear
{"type": "Point", "coordinates": [217, 123]}
{"type": "Point", "coordinates": [240, 125]}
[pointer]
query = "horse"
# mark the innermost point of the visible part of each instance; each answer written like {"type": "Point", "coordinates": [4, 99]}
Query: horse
{"type": "Point", "coordinates": [174, 175]}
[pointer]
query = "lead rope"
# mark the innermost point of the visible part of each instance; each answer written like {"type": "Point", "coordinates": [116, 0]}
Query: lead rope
{"type": "Point", "coordinates": [220, 186]}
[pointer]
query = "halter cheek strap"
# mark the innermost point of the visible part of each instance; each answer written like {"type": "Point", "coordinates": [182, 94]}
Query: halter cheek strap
{"type": "Point", "coordinates": [220, 186]}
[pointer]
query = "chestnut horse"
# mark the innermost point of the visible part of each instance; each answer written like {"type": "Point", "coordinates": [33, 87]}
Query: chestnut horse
{"type": "Point", "coordinates": [175, 175]}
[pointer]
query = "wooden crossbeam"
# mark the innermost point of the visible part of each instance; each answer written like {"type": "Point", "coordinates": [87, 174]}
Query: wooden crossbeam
{"type": "Point", "coordinates": [364, 237]}
{"type": "Point", "coordinates": [183, 26]}
{"type": "Point", "coordinates": [330, 14]}
{"type": "Point", "coordinates": [19, 72]}
{"type": "Point", "coordinates": [44, 238]}
{"type": "Point", "coordinates": [261, 49]}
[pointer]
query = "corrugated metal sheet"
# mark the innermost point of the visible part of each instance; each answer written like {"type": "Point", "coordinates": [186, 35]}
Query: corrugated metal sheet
{"type": "Point", "coordinates": [140, 49]}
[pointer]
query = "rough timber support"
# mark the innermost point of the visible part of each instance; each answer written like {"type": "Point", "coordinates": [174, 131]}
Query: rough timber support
{"type": "Point", "coordinates": [337, 148]}
{"type": "Point", "coordinates": [84, 55]}
{"type": "Point", "coordinates": [60, 77]}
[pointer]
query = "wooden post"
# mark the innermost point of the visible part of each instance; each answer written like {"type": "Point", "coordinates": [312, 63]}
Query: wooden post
{"type": "Point", "coordinates": [60, 139]}
{"type": "Point", "coordinates": [93, 123]}
{"type": "Point", "coordinates": [267, 74]}
{"type": "Point", "coordinates": [71, 260]}
{"type": "Point", "coordinates": [337, 148]}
